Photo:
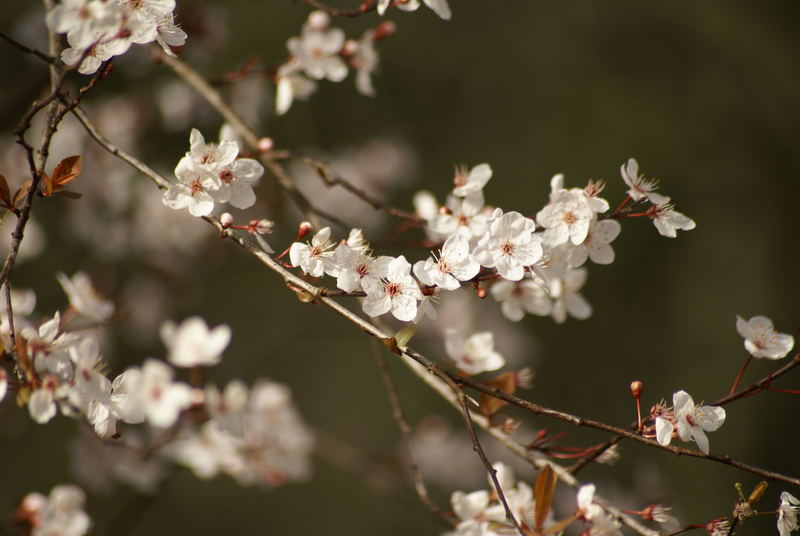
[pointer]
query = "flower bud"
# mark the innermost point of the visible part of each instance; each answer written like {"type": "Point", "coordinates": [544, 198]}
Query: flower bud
{"type": "Point", "coordinates": [265, 144]}
{"type": "Point", "coordinates": [637, 387]}
{"type": "Point", "coordinates": [350, 47]}
{"type": "Point", "coordinates": [481, 292]}
{"type": "Point", "coordinates": [384, 30]}
{"type": "Point", "coordinates": [226, 219]}
{"type": "Point", "coordinates": [303, 229]}
{"type": "Point", "coordinates": [319, 20]}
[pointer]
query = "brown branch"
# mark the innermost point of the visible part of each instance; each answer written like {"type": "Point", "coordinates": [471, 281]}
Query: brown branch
{"type": "Point", "coordinates": [365, 7]}
{"type": "Point", "coordinates": [26, 49]}
{"type": "Point", "coordinates": [761, 384]}
{"type": "Point", "coordinates": [405, 430]}
{"type": "Point", "coordinates": [331, 179]}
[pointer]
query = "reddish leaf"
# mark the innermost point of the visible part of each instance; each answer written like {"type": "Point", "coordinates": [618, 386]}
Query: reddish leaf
{"type": "Point", "coordinates": [505, 382]}
{"type": "Point", "coordinates": [65, 172]}
{"type": "Point", "coordinates": [21, 193]}
{"type": "Point", "coordinates": [69, 194]}
{"type": "Point", "coordinates": [543, 490]}
{"type": "Point", "coordinates": [5, 193]}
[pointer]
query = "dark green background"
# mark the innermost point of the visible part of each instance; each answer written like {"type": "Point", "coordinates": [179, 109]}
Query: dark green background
{"type": "Point", "coordinates": [706, 95]}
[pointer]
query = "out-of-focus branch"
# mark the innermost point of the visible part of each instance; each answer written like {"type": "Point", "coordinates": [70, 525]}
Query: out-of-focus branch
{"type": "Point", "coordinates": [26, 49]}
{"type": "Point", "coordinates": [405, 431]}
{"type": "Point", "coordinates": [365, 7]}
{"type": "Point", "coordinates": [331, 179]}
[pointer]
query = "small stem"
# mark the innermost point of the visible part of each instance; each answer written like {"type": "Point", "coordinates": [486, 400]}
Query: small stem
{"type": "Point", "coordinates": [741, 373]}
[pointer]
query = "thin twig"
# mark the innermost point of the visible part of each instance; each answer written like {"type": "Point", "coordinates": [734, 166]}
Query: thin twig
{"type": "Point", "coordinates": [405, 430]}
{"type": "Point", "coordinates": [365, 7]}
{"type": "Point", "coordinates": [331, 179]}
{"type": "Point", "coordinates": [10, 312]}
{"type": "Point", "coordinates": [26, 49]}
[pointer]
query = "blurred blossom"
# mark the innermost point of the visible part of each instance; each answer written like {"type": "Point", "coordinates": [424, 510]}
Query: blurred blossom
{"type": "Point", "coordinates": [98, 464]}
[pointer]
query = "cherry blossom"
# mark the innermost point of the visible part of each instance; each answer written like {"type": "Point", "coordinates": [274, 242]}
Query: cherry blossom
{"type": "Point", "coordinates": [474, 354]}
{"type": "Point", "coordinates": [472, 181]}
{"type": "Point", "coordinates": [520, 297]}
{"type": "Point", "coordinates": [356, 269]}
{"type": "Point", "coordinates": [787, 513]}
{"type": "Point", "coordinates": [454, 265]}
{"type": "Point", "coordinates": [236, 182]}
{"type": "Point", "coordinates": [509, 245]}
{"type": "Point", "coordinates": [84, 298]}
{"type": "Point", "coordinates": [193, 344]}
{"type": "Point", "coordinates": [291, 85]}
{"type": "Point", "coordinates": [209, 157]}
{"type": "Point", "coordinates": [668, 220]}
{"type": "Point", "coordinates": [193, 190]}
{"type": "Point", "coordinates": [589, 510]}
{"type": "Point", "coordinates": [398, 293]}
{"type": "Point", "coordinates": [440, 7]}
{"type": "Point", "coordinates": [567, 299]}
{"type": "Point", "coordinates": [567, 217]}
{"type": "Point", "coordinates": [761, 339]}
{"type": "Point", "coordinates": [317, 49]}
{"type": "Point", "coordinates": [464, 215]}
{"type": "Point", "coordinates": [59, 514]}
{"type": "Point", "coordinates": [640, 187]}
{"type": "Point", "coordinates": [160, 398]}
{"type": "Point", "coordinates": [315, 259]}
{"type": "Point", "coordinates": [365, 60]}
{"type": "Point", "coordinates": [597, 245]}
{"type": "Point", "coordinates": [691, 421]}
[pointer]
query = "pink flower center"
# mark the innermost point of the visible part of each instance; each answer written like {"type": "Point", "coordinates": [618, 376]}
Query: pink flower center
{"type": "Point", "coordinates": [393, 289]}
{"type": "Point", "coordinates": [195, 187]}
{"type": "Point", "coordinates": [362, 270]}
{"type": "Point", "coordinates": [226, 176]}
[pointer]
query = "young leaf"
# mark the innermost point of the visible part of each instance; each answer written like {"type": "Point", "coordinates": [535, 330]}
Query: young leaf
{"type": "Point", "coordinates": [21, 193]}
{"type": "Point", "coordinates": [543, 490]}
{"type": "Point", "coordinates": [505, 382]}
{"type": "Point", "coordinates": [5, 193]}
{"type": "Point", "coordinates": [65, 172]}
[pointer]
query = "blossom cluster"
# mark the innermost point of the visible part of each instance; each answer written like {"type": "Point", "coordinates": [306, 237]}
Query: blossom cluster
{"type": "Point", "coordinates": [255, 436]}
{"type": "Point", "coordinates": [322, 52]}
{"type": "Point", "coordinates": [530, 265]}
{"type": "Point", "coordinates": [98, 30]}
{"type": "Point", "coordinates": [212, 173]}
{"type": "Point", "coordinates": [60, 513]}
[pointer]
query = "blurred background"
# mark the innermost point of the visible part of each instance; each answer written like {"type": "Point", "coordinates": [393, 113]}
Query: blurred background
{"type": "Point", "coordinates": [705, 95]}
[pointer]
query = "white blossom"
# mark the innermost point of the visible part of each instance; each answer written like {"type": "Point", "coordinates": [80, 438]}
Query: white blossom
{"type": "Point", "coordinates": [463, 215]}
{"type": "Point", "coordinates": [440, 7]}
{"type": "Point", "coordinates": [567, 217]}
{"type": "Point", "coordinates": [639, 186]}
{"type": "Point", "coordinates": [236, 182]}
{"type": "Point", "coordinates": [161, 399]}
{"type": "Point", "coordinates": [398, 293]}
{"type": "Point", "coordinates": [59, 514]}
{"type": "Point", "coordinates": [761, 339]}
{"type": "Point", "coordinates": [454, 265]}
{"type": "Point", "coordinates": [291, 85]}
{"type": "Point", "coordinates": [519, 297]}
{"type": "Point", "coordinates": [668, 220]}
{"type": "Point", "coordinates": [597, 245]}
{"type": "Point", "coordinates": [316, 258]}
{"type": "Point", "coordinates": [193, 190]}
{"type": "Point", "coordinates": [317, 50]}
{"type": "Point", "coordinates": [84, 298]}
{"type": "Point", "coordinates": [567, 299]}
{"type": "Point", "coordinates": [509, 245]}
{"type": "Point", "coordinates": [356, 269]}
{"type": "Point", "coordinates": [690, 421]}
{"type": "Point", "coordinates": [474, 354]}
{"type": "Point", "coordinates": [472, 181]}
{"type": "Point", "coordinates": [193, 344]}
{"type": "Point", "coordinates": [787, 513]}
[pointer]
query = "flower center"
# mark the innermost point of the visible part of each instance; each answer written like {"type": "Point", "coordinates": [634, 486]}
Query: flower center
{"type": "Point", "coordinates": [195, 187]}
{"type": "Point", "coordinates": [226, 176]}
{"type": "Point", "coordinates": [362, 270]}
{"type": "Point", "coordinates": [570, 218]}
{"type": "Point", "coordinates": [393, 289]}
{"type": "Point", "coordinates": [507, 248]}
